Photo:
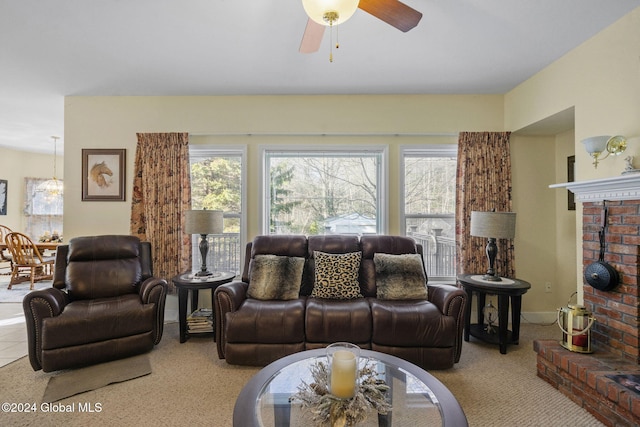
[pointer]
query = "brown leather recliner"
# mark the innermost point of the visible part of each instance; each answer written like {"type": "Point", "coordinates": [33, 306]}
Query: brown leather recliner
{"type": "Point", "coordinates": [426, 332]}
{"type": "Point", "coordinates": [104, 305]}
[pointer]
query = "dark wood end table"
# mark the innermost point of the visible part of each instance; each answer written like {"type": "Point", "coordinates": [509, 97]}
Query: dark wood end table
{"type": "Point", "coordinates": [189, 282]}
{"type": "Point", "coordinates": [506, 290]}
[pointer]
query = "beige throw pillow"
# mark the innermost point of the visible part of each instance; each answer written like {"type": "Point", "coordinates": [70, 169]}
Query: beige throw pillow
{"type": "Point", "coordinates": [273, 277]}
{"type": "Point", "coordinates": [400, 277]}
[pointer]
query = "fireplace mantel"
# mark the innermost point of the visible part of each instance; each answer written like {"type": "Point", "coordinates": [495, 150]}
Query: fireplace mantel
{"type": "Point", "coordinates": [624, 187]}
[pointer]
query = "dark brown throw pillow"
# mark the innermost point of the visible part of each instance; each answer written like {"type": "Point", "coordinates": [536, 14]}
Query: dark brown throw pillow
{"type": "Point", "coordinates": [273, 277]}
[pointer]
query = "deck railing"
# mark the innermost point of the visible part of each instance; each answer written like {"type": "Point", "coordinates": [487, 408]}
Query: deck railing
{"type": "Point", "coordinates": [225, 253]}
{"type": "Point", "coordinates": [439, 254]}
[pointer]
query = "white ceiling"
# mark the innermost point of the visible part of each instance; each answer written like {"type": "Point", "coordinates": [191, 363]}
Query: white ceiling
{"type": "Point", "coordinates": [50, 49]}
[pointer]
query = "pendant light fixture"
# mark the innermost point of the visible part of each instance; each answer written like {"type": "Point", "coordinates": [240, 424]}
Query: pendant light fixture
{"type": "Point", "coordinates": [52, 187]}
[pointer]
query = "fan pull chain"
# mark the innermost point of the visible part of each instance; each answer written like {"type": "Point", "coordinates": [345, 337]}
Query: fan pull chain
{"type": "Point", "coordinates": [331, 42]}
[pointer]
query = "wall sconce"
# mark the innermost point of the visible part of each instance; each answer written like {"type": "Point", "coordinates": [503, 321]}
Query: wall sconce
{"type": "Point", "coordinates": [596, 145]}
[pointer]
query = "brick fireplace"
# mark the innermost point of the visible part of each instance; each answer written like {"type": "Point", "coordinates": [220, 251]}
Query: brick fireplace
{"type": "Point", "coordinates": [616, 332]}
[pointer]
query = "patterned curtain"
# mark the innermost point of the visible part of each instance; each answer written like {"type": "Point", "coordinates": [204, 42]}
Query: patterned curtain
{"type": "Point", "coordinates": [483, 183]}
{"type": "Point", "coordinates": [161, 194]}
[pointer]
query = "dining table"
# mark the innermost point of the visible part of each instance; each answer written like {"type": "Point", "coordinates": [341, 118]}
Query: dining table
{"type": "Point", "coordinates": [42, 246]}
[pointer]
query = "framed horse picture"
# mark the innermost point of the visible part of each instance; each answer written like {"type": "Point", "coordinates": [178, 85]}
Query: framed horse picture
{"type": "Point", "coordinates": [103, 174]}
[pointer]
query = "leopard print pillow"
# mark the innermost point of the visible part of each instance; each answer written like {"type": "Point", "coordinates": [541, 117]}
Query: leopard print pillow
{"type": "Point", "coordinates": [336, 275]}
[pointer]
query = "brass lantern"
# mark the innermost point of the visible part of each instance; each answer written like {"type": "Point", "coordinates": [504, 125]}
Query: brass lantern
{"type": "Point", "coordinates": [575, 322]}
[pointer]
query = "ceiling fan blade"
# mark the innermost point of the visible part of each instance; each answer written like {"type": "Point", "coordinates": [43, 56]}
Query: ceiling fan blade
{"type": "Point", "coordinates": [392, 12]}
{"type": "Point", "coordinates": [312, 37]}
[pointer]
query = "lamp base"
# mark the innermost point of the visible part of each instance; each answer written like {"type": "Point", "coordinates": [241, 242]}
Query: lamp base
{"type": "Point", "coordinates": [491, 278]}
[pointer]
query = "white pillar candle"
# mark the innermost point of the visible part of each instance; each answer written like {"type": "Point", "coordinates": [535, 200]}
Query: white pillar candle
{"type": "Point", "coordinates": [343, 374]}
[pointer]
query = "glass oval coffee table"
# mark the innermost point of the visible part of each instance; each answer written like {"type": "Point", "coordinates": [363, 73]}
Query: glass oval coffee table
{"type": "Point", "coordinates": [417, 397]}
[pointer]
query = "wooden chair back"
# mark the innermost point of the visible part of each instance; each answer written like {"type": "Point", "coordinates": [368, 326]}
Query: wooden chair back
{"type": "Point", "coordinates": [4, 230]}
{"type": "Point", "coordinates": [28, 263]}
{"type": "Point", "coordinates": [22, 249]}
{"type": "Point", "coordinates": [5, 257]}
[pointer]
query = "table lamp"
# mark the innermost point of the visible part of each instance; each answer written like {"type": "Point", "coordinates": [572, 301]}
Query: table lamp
{"type": "Point", "coordinates": [493, 225]}
{"type": "Point", "coordinates": [203, 222]}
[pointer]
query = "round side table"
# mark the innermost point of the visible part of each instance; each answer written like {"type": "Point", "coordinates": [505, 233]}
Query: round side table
{"type": "Point", "coordinates": [189, 282]}
{"type": "Point", "coordinates": [506, 289]}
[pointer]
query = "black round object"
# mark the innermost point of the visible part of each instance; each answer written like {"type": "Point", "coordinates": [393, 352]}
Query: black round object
{"type": "Point", "coordinates": [601, 276]}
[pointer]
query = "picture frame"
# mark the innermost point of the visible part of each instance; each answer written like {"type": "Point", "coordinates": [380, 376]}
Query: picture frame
{"type": "Point", "coordinates": [4, 187]}
{"type": "Point", "coordinates": [571, 166]}
{"type": "Point", "coordinates": [103, 174]}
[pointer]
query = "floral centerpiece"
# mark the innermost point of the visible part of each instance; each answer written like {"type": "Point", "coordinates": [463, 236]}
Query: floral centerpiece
{"type": "Point", "coordinates": [326, 409]}
{"type": "Point", "coordinates": [48, 237]}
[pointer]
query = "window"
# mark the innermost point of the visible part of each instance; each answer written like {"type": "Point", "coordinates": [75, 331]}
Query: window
{"type": "Point", "coordinates": [42, 212]}
{"type": "Point", "coordinates": [429, 175]}
{"type": "Point", "coordinates": [216, 184]}
{"type": "Point", "coordinates": [335, 191]}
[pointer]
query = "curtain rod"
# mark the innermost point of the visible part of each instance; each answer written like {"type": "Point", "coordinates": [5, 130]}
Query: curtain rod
{"type": "Point", "coordinates": [327, 134]}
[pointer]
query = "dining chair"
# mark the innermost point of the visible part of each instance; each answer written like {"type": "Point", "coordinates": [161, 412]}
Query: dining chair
{"type": "Point", "coordinates": [28, 263]}
{"type": "Point", "coordinates": [6, 262]}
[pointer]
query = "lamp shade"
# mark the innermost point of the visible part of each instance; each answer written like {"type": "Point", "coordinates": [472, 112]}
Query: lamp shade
{"type": "Point", "coordinates": [595, 144]}
{"type": "Point", "coordinates": [497, 225]}
{"type": "Point", "coordinates": [203, 222]}
{"type": "Point", "coordinates": [318, 9]}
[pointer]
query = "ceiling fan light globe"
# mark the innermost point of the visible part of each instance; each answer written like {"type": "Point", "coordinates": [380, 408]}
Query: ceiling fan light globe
{"type": "Point", "coordinates": [317, 9]}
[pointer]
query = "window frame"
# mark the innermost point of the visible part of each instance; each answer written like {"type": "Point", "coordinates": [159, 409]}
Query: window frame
{"type": "Point", "coordinates": [426, 150]}
{"type": "Point", "coordinates": [382, 204]}
{"type": "Point", "coordinates": [205, 151]}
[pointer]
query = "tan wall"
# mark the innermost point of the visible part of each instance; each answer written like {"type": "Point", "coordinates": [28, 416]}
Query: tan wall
{"type": "Point", "coordinates": [535, 251]}
{"type": "Point", "coordinates": [15, 166]}
{"type": "Point", "coordinates": [601, 80]}
{"type": "Point", "coordinates": [567, 246]}
{"type": "Point", "coordinates": [112, 122]}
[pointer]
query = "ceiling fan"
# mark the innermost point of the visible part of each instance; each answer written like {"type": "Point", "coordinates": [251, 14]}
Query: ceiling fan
{"type": "Point", "coordinates": [322, 14]}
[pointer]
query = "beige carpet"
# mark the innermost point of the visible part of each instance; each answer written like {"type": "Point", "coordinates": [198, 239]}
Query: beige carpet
{"type": "Point", "coordinates": [190, 386]}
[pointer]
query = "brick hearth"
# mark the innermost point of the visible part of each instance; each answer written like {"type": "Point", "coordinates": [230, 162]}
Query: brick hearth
{"type": "Point", "coordinates": [582, 377]}
{"type": "Point", "coordinates": [616, 332]}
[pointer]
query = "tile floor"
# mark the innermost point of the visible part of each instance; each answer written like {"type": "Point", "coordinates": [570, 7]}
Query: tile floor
{"type": "Point", "coordinates": [13, 332]}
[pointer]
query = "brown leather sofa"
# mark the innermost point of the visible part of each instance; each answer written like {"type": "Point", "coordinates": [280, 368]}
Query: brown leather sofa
{"type": "Point", "coordinates": [105, 304]}
{"type": "Point", "coordinates": [250, 331]}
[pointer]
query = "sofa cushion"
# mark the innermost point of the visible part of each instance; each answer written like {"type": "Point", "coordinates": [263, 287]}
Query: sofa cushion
{"type": "Point", "coordinates": [87, 321]}
{"type": "Point", "coordinates": [267, 322]}
{"type": "Point", "coordinates": [328, 321]}
{"type": "Point", "coordinates": [102, 266]}
{"type": "Point", "coordinates": [400, 277]}
{"type": "Point", "coordinates": [273, 277]}
{"type": "Point", "coordinates": [373, 244]}
{"type": "Point", "coordinates": [411, 324]}
{"type": "Point", "coordinates": [330, 244]}
{"type": "Point", "coordinates": [336, 275]}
